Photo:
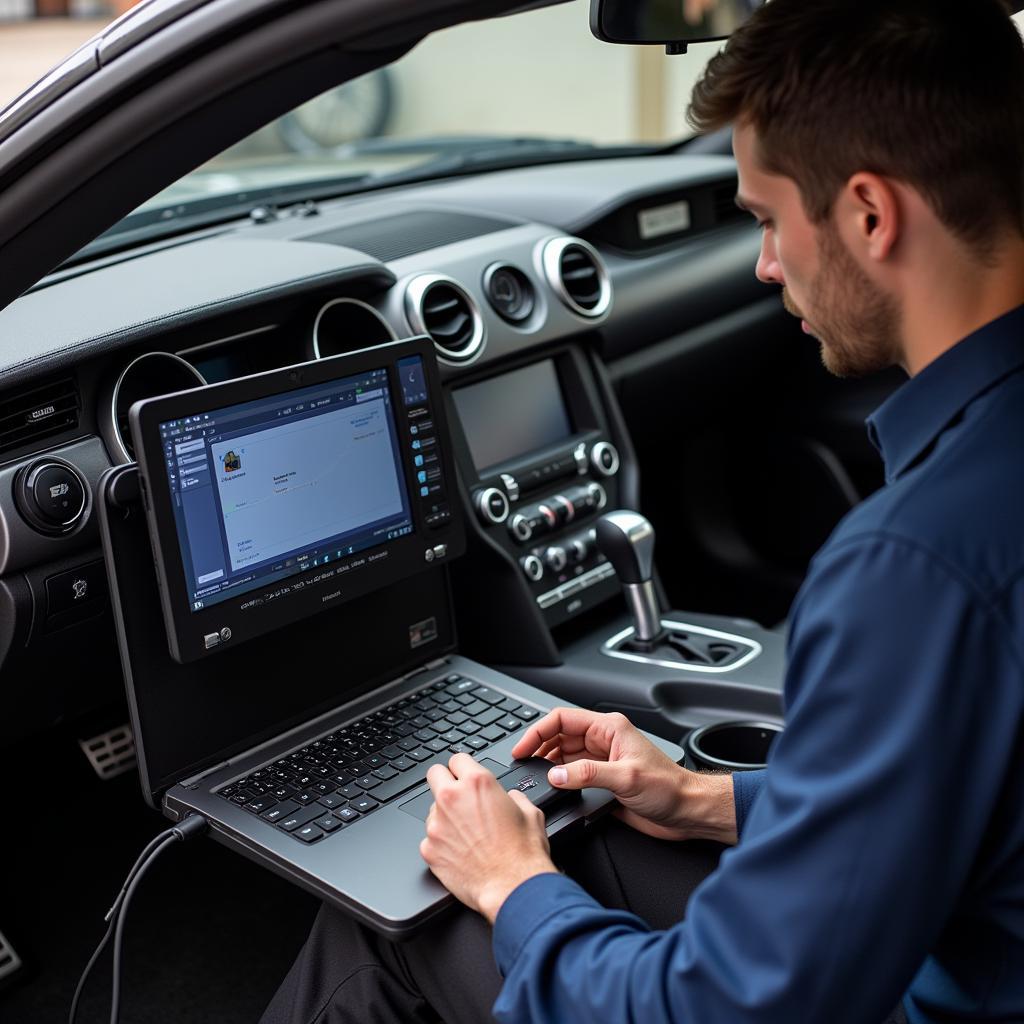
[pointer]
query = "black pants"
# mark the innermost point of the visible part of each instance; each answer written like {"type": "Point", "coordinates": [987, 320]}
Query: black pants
{"type": "Point", "coordinates": [347, 974]}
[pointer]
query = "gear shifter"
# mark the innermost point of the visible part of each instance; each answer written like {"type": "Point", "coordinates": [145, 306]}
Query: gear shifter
{"type": "Point", "coordinates": [626, 539]}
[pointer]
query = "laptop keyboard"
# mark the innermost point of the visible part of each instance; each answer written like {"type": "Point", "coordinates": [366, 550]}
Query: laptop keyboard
{"type": "Point", "coordinates": [338, 779]}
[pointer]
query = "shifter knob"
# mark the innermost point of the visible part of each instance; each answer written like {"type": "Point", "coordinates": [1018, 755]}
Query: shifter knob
{"type": "Point", "coordinates": [626, 539]}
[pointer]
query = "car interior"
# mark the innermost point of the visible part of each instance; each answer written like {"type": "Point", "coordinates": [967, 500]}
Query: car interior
{"type": "Point", "coordinates": [645, 449]}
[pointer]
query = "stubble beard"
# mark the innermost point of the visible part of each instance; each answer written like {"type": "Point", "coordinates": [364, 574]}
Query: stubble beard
{"type": "Point", "coordinates": [857, 324]}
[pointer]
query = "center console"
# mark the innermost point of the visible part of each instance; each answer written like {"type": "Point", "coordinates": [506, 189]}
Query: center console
{"type": "Point", "coordinates": [560, 585]}
{"type": "Point", "coordinates": [540, 465]}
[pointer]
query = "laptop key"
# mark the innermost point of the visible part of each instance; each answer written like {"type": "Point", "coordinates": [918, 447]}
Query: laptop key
{"type": "Point", "coordinates": [420, 754]}
{"type": "Point", "coordinates": [259, 804]}
{"type": "Point", "coordinates": [408, 744]}
{"type": "Point", "coordinates": [280, 812]}
{"type": "Point", "coordinates": [367, 781]}
{"type": "Point", "coordinates": [460, 748]}
{"type": "Point", "coordinates": [436, 745]}
{"type": "Point", "coordinates": [364, 805]}
{"type": "Point", "coordinates": [373, 761]}
{"type": "Point", "coordinates": [308, 833]}
{"type": "Point", "coordinates": [475, 743]}
{"type": "Point", "coordinates": [462, 686]}
{"type": "Point", "coordinates": [282, 792]}
{"type": "Point", "coordinates": [405, 729]}
{"type": "Point", "coordinates": [346, 814]}
{"type": "Point", "coordinates": [453, 736]}
{"type": "Point", "coordinates": [310, 796]}
{"type": "Point", "coordinates": [402, 764]}
{"type": "Point", "coordinates": [332, 800]}
{"type": "Point", "coordinates": [386, 772]}
{"type": "Point", "coordinates": [487, 695]}
{"type": "Point", "coordinates": [526, 714]}
{"type": "Point", "coordinates": [509, 704]}
{"type": "Point", "coordinates": [350, 792]}
{"type": "Point", "coordinates": [329, 823]}
{"type": "Point", "coordinates": [492, 733]}
{"type": "Point", "coordinates": [510, 722]}
{"type": "Point", "coordinates": [391, 752]}
{"type": "Point", "coordinates": [301, 817]}
{"type": "Point", "coordinates": [489, 716]}
{"type": "Point", "coordinates": [469, 727]}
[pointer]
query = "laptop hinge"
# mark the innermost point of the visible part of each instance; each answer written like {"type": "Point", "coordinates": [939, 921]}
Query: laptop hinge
{"type": "Point", "coordinates": [193, 781]}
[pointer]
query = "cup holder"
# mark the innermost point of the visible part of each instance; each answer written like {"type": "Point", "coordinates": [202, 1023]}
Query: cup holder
{"type": "Point", "coordinates": [730, 746]}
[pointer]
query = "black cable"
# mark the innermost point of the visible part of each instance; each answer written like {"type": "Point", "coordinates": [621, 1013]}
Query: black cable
{"type": "Point", "coordinates": [194, 824]}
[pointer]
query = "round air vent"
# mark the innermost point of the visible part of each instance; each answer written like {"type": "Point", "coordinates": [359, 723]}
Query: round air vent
{"type": "Point", "coordinates": [438, 306]}
{"type": "Point", "coordinates": [509, 291]}
{"type": "Point", "coordinates": [343, 325]}
{"type": "Point", "coordinates": [577, 274]}
{"type": "Point", "coordinates": [152, 374]}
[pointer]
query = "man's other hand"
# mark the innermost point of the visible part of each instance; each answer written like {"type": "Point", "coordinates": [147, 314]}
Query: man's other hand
{"type": "Point", "coordinates": [482, 842]}
{"type": "Point", "coordinates": [658, 796]}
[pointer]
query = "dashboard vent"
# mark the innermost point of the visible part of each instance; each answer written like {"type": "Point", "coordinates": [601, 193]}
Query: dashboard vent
{"type": "Point", "coordinates": [50, 409]}
{"type": "Point", "coordinates": [440, 307]}
{"type": "Point", "coordinates": [391, 238]}
{"type": "Point", "coordinates": [577, 274]}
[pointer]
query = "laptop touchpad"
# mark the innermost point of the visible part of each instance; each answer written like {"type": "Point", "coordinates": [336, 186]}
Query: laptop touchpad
{"type": "Point", "coordinates": [419, 806]}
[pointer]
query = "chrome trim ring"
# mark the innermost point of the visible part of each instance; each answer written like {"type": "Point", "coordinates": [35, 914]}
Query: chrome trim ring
{"type": "Point", "coordinates": [595, 457]}
{"type": "Point", "coordinates": [551, 263]}
{"type": "Point", "coordinates": [415, 293]}
{"type": "Point", "coordinates": [754, 649]}
{"type": "Point", "coordinates": [392, 334]}
{"type": "Point", "coordinates": [117, 391]}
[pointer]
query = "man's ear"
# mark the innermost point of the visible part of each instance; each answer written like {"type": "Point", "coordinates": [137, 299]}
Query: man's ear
{"type": "Point", "coordinates": [870, 214]}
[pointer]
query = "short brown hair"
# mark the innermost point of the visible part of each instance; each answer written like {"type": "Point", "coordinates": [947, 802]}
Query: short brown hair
{"type": "Point", "coordinates": [928, 92]}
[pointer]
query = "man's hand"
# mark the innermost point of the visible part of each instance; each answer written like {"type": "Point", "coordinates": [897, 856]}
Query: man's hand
{"type": "Point", "coordinates": [658, 796]}
{"type": "Point", "coordinates": [482, 842]}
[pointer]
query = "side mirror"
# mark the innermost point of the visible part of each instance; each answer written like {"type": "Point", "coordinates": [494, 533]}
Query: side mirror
{"type": "Point", "coordinates": [673, 24]}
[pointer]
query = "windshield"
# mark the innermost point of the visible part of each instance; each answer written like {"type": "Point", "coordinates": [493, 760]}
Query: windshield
{"type": "Point", "coordinates": [527, 88]}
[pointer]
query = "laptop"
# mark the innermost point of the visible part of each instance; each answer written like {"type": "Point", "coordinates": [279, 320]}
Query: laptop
{"type": "Point", "coordinates": [278, 562]}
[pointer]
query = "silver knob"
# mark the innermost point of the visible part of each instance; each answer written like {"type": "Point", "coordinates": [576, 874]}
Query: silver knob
{"type": "Point", "coordinates": [521, 527]}
{"type": "Point", "coordinates": [626, 539]}
{"type": "Point", "coordinates": [492, 504]}
{"type": "Point", "coordinates": [556, 558]}
{"type": "Point", "coordinates": [604, 458]}
{"type": "Point", "coordinates": [533, 567]}
{"type": "Point", "coordinates": [598, 494]}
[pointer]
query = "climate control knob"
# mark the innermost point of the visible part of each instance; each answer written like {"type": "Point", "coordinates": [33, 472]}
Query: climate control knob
{"type": "Point", "coordinates": [533, 568]}
{"type": "Point", "coordinates": [492, 504]}
{"type": "Point", "coordinates": [556, 558]}
{"type": "Point", "coordinates": [578, 549]}
{"type": "Point", "coordinates": [604, 458]}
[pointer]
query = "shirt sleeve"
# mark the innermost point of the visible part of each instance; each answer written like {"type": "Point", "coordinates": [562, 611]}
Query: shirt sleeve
{"type": "Point", "coordinates": [863, 832]}
{"type": "Point", "coordinates": [745, 787]}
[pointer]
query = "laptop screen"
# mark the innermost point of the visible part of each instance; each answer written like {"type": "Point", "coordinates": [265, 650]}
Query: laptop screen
{"type": "Point", "coordinates": [262, 491]}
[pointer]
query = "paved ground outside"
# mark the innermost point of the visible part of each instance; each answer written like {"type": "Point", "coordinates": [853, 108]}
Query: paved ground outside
{"type": "Point", "coordinates": [29, 49]}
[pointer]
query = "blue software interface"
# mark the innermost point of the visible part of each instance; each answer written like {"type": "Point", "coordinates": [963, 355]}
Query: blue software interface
{"type": "Point", "coordinates": [267, 489]}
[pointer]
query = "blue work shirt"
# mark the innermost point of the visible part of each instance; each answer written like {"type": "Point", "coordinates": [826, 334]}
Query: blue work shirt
{"type": "Point", "coordinates": [881, 853]}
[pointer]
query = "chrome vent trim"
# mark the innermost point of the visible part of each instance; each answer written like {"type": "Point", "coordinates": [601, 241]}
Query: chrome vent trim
{"type": "Point", "coordinates": [438, 306]}
{"type": "Point", "coordinates": [578, 276]}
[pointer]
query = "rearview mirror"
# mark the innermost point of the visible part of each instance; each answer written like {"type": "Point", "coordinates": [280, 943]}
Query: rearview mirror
{"type": "Point", "coordinates": [671, 23]}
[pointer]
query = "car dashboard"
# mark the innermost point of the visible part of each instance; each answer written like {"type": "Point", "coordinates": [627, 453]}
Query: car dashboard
{"type": "Point", "coordinates": [545, 290]}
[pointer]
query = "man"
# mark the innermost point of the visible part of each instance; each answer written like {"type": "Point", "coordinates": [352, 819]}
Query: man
{"type": "Point", "coordinates": [880, 858]}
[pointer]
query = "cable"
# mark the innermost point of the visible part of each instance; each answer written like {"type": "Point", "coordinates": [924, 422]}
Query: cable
{"type": "Point", "coordinates": [194, 824]}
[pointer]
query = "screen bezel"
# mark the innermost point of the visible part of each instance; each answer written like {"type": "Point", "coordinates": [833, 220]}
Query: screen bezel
{"type": "Point", "coordinates": [323, 587]}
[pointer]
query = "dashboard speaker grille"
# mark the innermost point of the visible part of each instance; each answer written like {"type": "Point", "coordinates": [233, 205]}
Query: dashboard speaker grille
{"type": "Point", "coordinates": [49, 409]}
{"type": "Point", "coordinates": [580, 277]}
{"type": "Point", "coordinates": [391, 238]}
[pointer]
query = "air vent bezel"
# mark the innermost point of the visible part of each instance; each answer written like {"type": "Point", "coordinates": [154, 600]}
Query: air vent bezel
{"type": "Point", "coordinates": [552, 252]}
{"type": "Point", "coordinates": [125, 454]}
{"type": "Point", "coordinates": [415, 295]}
{"type": "Point", "coordinates": [345, 300]}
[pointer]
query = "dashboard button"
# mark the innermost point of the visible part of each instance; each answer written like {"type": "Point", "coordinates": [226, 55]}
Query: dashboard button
{"type": "Point", "coordinates": [492, 505]}
{"type": "Point", "coordinates": [51, 496]}
{"type": "Point", "coordinates": [605, 458]}
{"type": "Point", "coordinates": [79, 588]}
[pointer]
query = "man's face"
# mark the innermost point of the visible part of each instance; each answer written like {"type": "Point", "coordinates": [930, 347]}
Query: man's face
{"type": "Point", "coordinates": [856, 322]}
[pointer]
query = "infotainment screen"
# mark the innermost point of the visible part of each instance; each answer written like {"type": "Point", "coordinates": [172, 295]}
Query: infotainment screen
{"type": "Point", "coordinates": [264, 490]}
{"type": "Point", "coordinates": [274, 496]}
{"type": "Point", "coordinates": [513, 414]}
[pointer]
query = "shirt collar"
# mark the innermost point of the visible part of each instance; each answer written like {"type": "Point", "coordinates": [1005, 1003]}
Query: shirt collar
{"type": "Point", "coordinates": [907, 423]}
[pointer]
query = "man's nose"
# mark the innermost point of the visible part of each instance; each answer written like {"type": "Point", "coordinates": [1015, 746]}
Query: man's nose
{"type": "Point", "coordinates": [768, 270]}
